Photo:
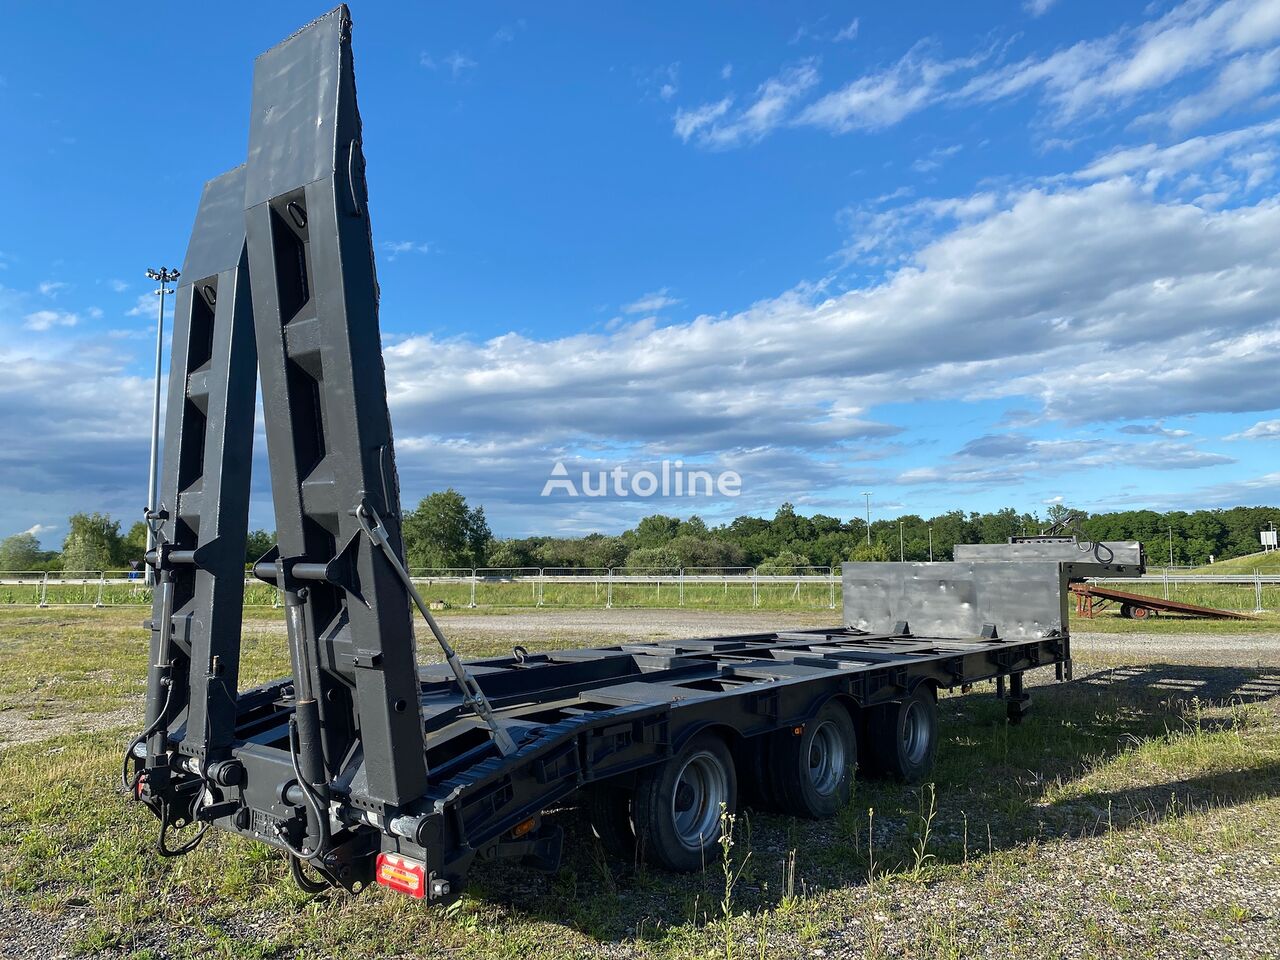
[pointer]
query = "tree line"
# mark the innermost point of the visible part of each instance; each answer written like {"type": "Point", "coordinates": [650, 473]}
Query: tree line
{"type": "Point", "coordinates": [443, 530]}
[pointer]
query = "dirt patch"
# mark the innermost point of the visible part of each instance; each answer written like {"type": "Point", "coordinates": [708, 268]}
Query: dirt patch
{"type": "Point", "coordinates": [1246, 649]}
{"type": "Point", "coordinates": [16, 728]}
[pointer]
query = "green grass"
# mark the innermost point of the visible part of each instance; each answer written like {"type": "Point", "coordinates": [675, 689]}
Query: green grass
{"type": "Point", "coordinates": [1265, 563]}
{"type": "Point", "coordinates": [1104, 816]}
{"type": "Point", "coordinates": [732, 596]}
{"type": "Point", "coordinates": [1110, 621]}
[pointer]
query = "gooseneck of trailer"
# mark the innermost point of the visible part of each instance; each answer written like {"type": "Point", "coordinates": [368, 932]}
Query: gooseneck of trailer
{"type": "Point", "coordinates": [363, 766]}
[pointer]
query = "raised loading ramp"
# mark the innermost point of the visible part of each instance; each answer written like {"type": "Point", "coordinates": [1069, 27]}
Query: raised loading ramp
{"type": "Point", "coordinates": [1091, 597]}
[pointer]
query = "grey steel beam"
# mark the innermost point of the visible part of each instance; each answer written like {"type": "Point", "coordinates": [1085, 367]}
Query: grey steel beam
{"type": "Point", "coordinates": [315, 299]}
{"type": "Point", "coordinates": [208, 448]}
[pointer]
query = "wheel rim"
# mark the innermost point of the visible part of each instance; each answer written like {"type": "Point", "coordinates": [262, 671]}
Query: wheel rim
{"type": "Point", "coordinates": [915, 733]}
{"type": "Point", "coordinates": [826, 758]}
{"type": "Point", "coordinates": [701, 787]}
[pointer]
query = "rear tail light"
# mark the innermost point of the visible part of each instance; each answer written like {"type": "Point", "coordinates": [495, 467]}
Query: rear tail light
{"type": "Point", "coordinates": [400, 873]}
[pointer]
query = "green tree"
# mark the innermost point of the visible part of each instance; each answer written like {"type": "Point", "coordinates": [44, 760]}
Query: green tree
{"type": "Point", "coordinates": [656, 531]}
{"type": "Point", "coordinates": [605, 552]}
{"type": "Point", "coordinates": [705, 551]}
{"type": "Point", "coordinates": [509, 554]}
{"type": "Point", "coordinates": [877, 552]}
{"type": "Point", "coordinates": [654, 558]}
{"type": "Point", "coordinates": [786, 562]}
{"type": "Point", "coordinates": [257, 543]}
{"type": "Point", "coordinates": [20, 552]}
{"type": "Point", "coordinates": [93, 543]}
{"type": "Point", "coordinates": [134, 543]}
{"type": "Point", "coordinates": [442, 531]}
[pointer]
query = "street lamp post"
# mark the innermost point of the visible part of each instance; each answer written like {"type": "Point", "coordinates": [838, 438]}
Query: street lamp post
{"type": "Point", "coordinates": [902, 552]}
{"type": "Point", "coordinates": [931, 544]}
{"type": "Point", "coordinates": [868, 496]}
{"type": "Point", "coordinates": [1170, 546]}
{"type": "Point", "coordinates": [163, 276]}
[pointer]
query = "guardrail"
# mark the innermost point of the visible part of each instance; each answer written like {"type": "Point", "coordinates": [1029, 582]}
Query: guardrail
{"type": "Point", "coordinates": [807, 587]}
{"type": "Point", "coordinates": [815, 587]}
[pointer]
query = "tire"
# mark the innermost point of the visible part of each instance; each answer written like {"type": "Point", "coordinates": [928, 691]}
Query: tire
{"type": "Point", "coordinates": [608, 814]}
{"type": "Point", "coordinates": [1126, 611]}
{"type": "Point", "coordinates": [676, 809]}
{"type": "Point", "coordinates": [902, 737]}
{"type": "Point", "coordinates": [813, 772]}
{"type": "Point", "coordinates": [1141, 613]}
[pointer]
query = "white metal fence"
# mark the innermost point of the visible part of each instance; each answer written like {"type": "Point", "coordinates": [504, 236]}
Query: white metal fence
{"type": "Point", "coordinates": [815, 587]}
{"type": "Point", "coordinates": [808, 587]}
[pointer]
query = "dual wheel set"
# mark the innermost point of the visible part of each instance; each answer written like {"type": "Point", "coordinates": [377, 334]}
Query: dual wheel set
{"type": "Point", "coordinates": [672, 815]}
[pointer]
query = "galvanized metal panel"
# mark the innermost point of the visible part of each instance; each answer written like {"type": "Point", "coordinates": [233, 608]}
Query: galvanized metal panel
{"type": "Point", "coordinates": [1023, 599]}
{"type": "Point", "coordinates": [1121, 554]}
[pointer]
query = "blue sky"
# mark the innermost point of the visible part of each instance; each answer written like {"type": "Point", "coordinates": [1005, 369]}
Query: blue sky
{"type": "Point", "coordinates": [958, 255]}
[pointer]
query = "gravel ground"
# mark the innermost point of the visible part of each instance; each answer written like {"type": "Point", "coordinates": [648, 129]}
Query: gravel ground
{"type": "Point", "coordinates": [1243, 650]}
{"type": "Point", "coordinates": [1212, 666]}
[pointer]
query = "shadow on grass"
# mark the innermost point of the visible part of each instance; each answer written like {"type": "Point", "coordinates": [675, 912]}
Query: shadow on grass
{"type": "Point", "coordinates": [1066, 771]}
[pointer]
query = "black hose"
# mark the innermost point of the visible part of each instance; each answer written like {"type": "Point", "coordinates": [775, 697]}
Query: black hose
{"type": "Point", "coordinates": [321, 815]}
{"type": "Point", "coordinates": [162, 847]}
{"type": "Point", "coordinates": [133, 744]}
{"type": "Point", "coordinates": [305, 883]}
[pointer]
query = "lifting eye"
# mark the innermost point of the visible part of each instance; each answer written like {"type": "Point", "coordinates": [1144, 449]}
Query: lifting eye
{"type": "Point", "coordinates": [296, 214]}
{"type": "Point", "coordinates": [210, 294]}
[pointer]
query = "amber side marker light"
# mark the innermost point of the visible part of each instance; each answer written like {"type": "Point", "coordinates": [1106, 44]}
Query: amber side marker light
{"type": "Point", "coordinates": [523, 827]}
{"type": "Point", "coordinates": [400, 873]}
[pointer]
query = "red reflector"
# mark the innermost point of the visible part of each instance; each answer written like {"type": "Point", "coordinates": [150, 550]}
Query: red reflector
{"type": "Point", "coordinates": [401, 873]}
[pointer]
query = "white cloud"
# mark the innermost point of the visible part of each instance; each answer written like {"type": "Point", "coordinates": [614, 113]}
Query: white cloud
{"type": "Point", "coordinates": [1156, 164]}
{"type": "Point", "coordinates": [1262, 430]}
{"type": "Point", "coordinates": [653, 302]}
{"type": "Point", "coordinates": [396, 248]}
{"type": "Point", "coordinates": [711, 125]}
{"type": "Point", "coordinates": [690, 122]}
{"type": "Point", "coordinates": [1153, 430]}
{"type": "Point", "coordinates": [992, 296]}
{"type": "Point", "coordinates": [935, 158]}
{"type": "Point", "coordinates": [42, 320]}
{"type": "Point", "coordinates": [507, 32]}
{"type": "Point", "coordinates": [456, 63]}
{"type": "Point", "coordinates": [670, 82]}
{"type": "Point", "coordinates": [992, 308]}
{"type": "Point", "coordinates": [1242, 80]}
{"type": "Point", "coordinates": [117, 286]}
{"type": "Point", "coordinates": [882, 99]}
{"type": "Point", "coordinates": [36, 529]}
{"type": "Point", "coordinates": [1092, 75]}
{"type": "Point", "coordinates": [726, 71]}
{"type": "Point", "coordinates": [51, 288]}
{"type": "Point", "coordinates": [848, 32]}
{"type": "Point", "coordinates": [1038, 8]}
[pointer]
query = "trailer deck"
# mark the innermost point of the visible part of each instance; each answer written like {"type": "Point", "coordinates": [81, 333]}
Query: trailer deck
{"type": "Point", "coordinates": [581, 716]}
